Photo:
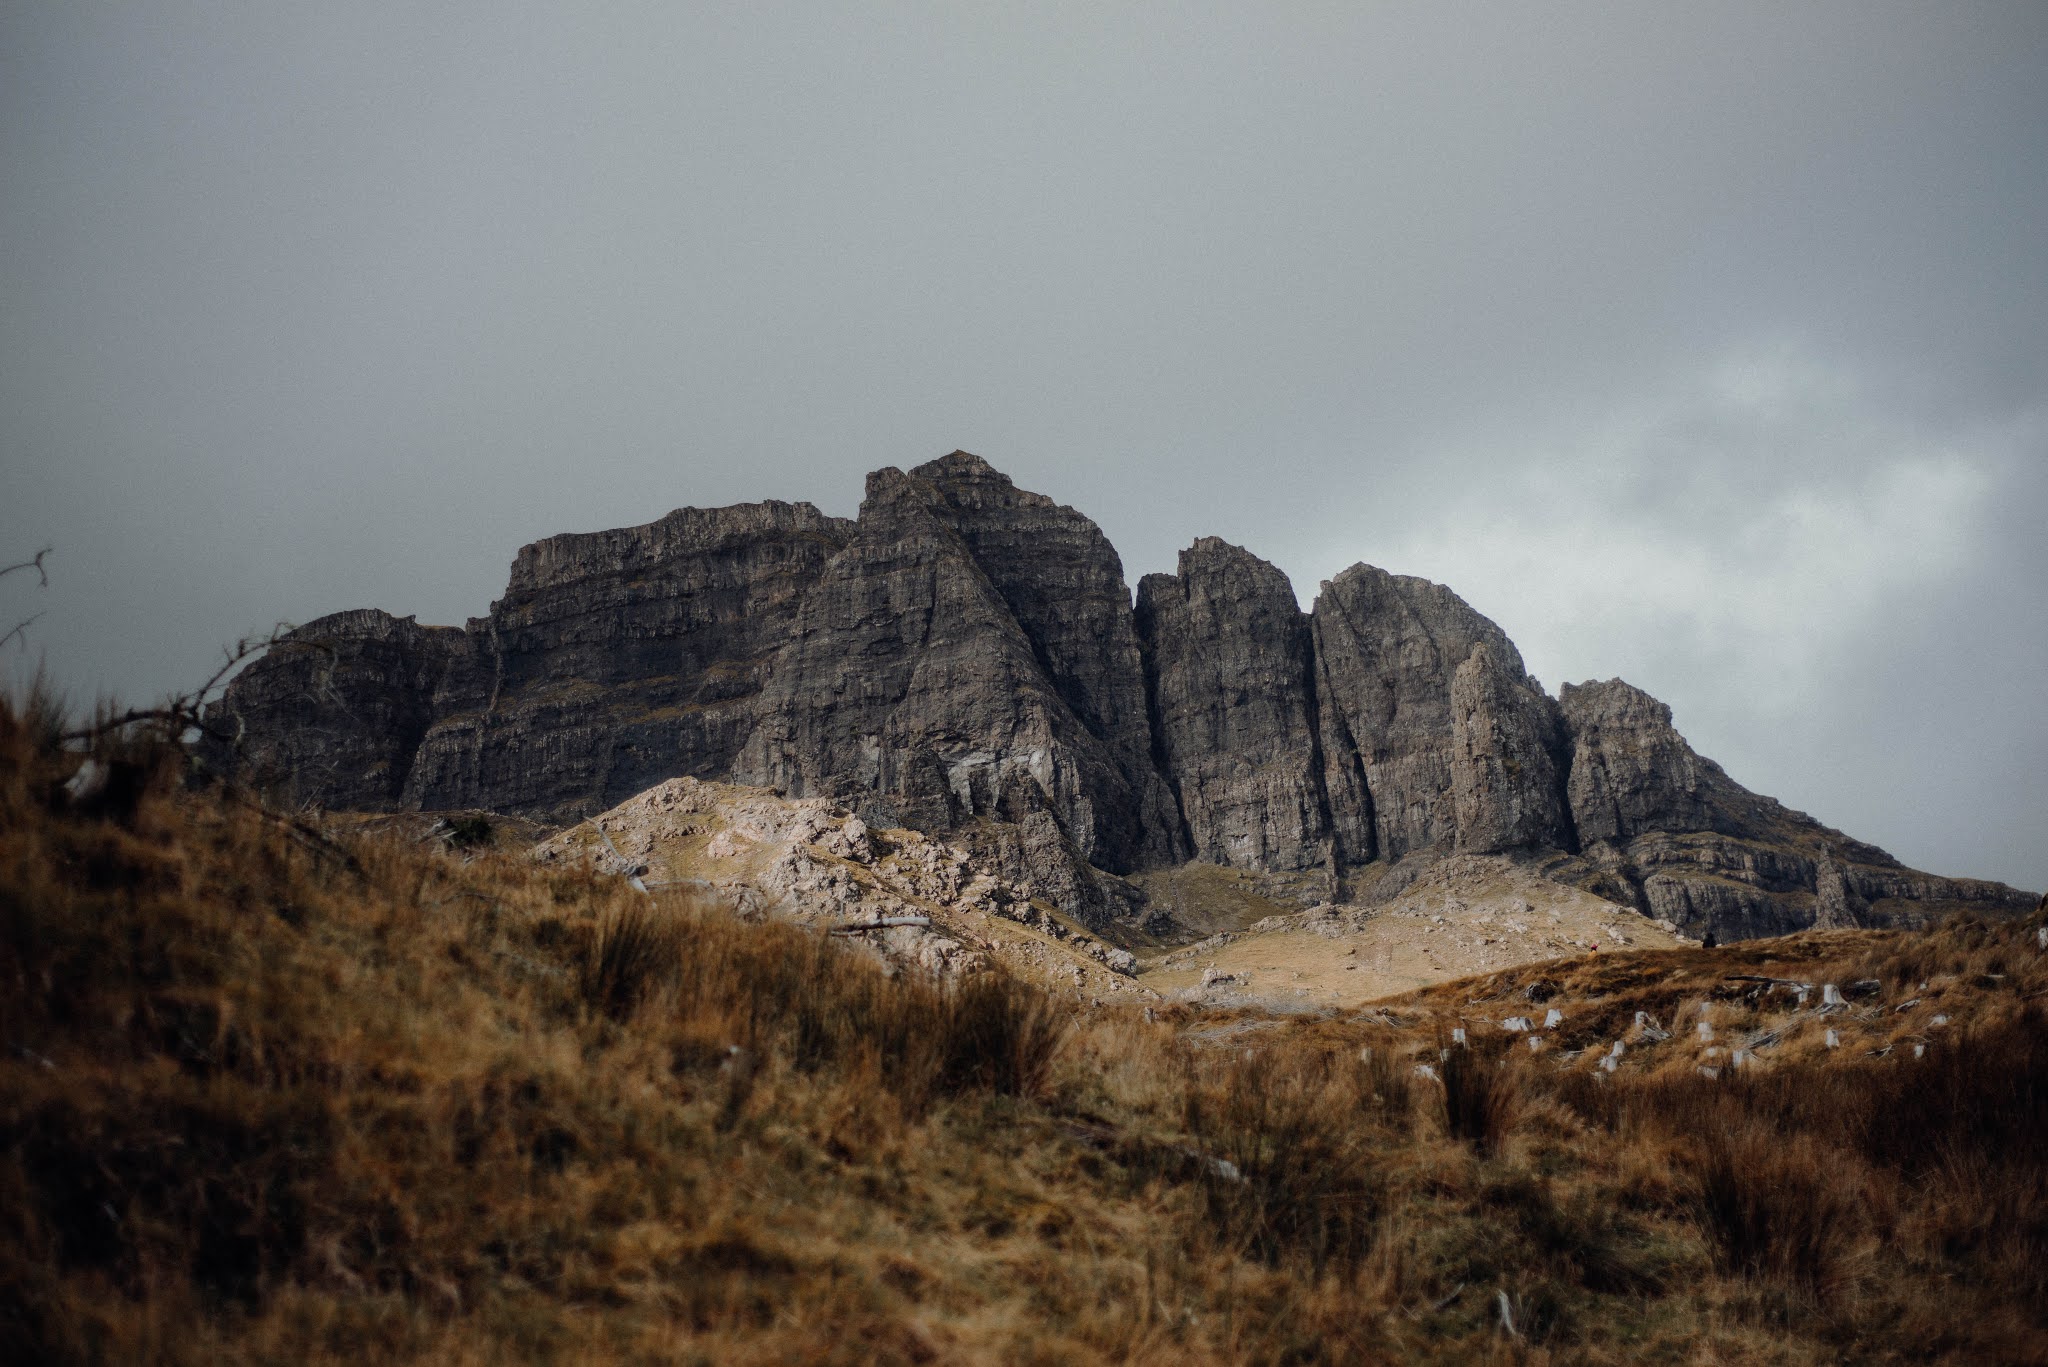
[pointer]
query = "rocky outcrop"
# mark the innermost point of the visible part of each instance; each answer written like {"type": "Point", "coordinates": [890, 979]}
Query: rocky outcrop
{"type": "Point", "coordinates": [617, 659]}
{"type": "Point", "coordinates": [1507, 759]}
{"type": "Point", "coordinates": [1699, 848]}
{"type": "Point", "coordinates": [335, 712]}
{"type": "Point", "coordinates": [1389, 651]}
{"type": "Point", "coordinates": [908, 690]}
{"type": "Point", "coordinates": [1835, 903]}
{"type": "Point", "coordinates": [1064, 585]}
{"type": "Point", "coordinates": [811, 860]}
{"type": "Point", "coordinates": [1230, 672]}
{"type": "Point", "coordinates": [1630, 769]}
{"type": "Point", "coordinates": [965, 659]}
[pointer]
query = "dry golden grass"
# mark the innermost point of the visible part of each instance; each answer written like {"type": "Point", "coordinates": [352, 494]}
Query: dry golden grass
{"type": "Point", "coordinates": [275, 1095]}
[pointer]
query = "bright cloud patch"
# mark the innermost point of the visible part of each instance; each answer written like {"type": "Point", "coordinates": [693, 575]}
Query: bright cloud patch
{"type": "Point", "coordinates": [1748, 525]}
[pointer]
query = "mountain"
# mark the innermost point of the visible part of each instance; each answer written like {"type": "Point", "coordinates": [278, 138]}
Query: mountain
{"type": "Point", "coordinates": [965, 658]}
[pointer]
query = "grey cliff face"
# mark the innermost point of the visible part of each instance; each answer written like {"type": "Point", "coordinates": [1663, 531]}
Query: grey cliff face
{"type": "Point", "coordinates": [1697, 848]}
{"type": "Point", "coordinates": [1389, 649]}
{"type": "Point", "coordinates": [1630, 769]}
{"type": "Point", "coordinates": [1064, 584]}
{"type": "Point", "coordinates": [908, 689]}
{"type": "Point", "coordinates": [1507, 760]}
{"type": "Point", "coordinates": [965, 658]}
{"type": "Point", "coordinates": [335, 712]}
{"type": "Point", "coordinates": [620, 658]}
{"type": "Point", "coordinates": [1231, 674]}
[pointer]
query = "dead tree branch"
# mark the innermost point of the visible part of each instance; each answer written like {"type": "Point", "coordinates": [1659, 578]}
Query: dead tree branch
{"type": "Point", "coordinates": [35, 563]}
{"type": "Point", "coordinates": [20, 629]}
{"type": "Point", "coordinates": [186, 711]}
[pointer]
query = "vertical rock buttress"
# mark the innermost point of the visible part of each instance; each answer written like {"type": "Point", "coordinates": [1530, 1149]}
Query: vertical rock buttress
{"type": "Point", "coordinates": [1230, 669]}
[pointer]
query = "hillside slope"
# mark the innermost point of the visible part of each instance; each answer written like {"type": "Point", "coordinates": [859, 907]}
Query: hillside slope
{"type": "Point", "coordinates": [272, 1092]}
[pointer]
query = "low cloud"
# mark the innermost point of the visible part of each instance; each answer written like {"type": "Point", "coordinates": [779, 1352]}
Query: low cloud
{"type": "Point", "coordinates": [1748, 523]}
{"type": "Point", "coordinates": [1838, 595]}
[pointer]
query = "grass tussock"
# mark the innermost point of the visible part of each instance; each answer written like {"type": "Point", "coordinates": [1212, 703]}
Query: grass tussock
{"type": "Point", "coordinates": [269, 1093]}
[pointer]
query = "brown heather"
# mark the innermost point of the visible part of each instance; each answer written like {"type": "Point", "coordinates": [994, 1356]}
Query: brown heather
{"type": "Point", "coordinates": [274, 1094]}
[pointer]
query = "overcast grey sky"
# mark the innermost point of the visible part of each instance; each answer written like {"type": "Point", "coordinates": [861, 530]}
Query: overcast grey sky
{"type": "Point", "coordinates": [1706, 345]}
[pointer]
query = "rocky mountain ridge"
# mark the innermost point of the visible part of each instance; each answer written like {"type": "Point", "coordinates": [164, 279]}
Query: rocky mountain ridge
{"type": "Point", "coordinates": [965, 658]}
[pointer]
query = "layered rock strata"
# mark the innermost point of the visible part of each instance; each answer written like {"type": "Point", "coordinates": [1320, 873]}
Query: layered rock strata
{"type": "Point", "coordinates": [335, 712]}
{"type": "Point", "coordinates": [620, 658]}
{"type": "Point", "coordinates": [1692, 845]}
{"type": "Point", "coordinates": [911, 689]}
{"type": "Point", "coordinates": [1064, 584]}
{"type": "Point", "coordinates": [1389, 651]}
{"type": "Point", "coordinates": [1230, 673]}
{"type": "Point", "coordinates": [964, 658]}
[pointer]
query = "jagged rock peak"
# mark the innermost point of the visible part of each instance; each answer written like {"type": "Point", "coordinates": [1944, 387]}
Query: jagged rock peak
{"type": "Point", "coordinates": [1064, 584]}
{"type": "Point", "coordinates": [334, 713]}
{"type": "Point", "coordinates": [1630, 769]}
{"type": "Point", "coordinates": [965, 657]}
{"type": "Point", "coordinates": [568, 556]}
{"type": "Point", "coordinates": [1388, 647]}
{"type": "Point", "coordinates": [1508, 759]}
{"type": "Point", "coordinates": [1230, 675]}
{"type": "Point", "coordinates": [964, 470]}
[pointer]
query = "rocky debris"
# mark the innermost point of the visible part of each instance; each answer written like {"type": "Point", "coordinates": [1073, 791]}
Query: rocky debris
{"type": "Point", "coordinates": [1230, 671]}
{"type": "Point", "coordinates": [1750, 1020]}
{"type": "Point", "coordinates": [1035, 853]}
{"type": "Point", "coordinates": [965, 659]}
{"type": "Point", "coordinates": [915, 900]}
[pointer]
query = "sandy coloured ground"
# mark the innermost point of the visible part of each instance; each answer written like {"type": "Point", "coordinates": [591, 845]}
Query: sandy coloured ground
{"type": "Point", "coordinates": [1466, 915]}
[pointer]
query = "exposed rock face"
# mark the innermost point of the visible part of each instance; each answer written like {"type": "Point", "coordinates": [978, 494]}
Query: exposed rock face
{"type": "Point", "coordinates": [908, 690]}
{"type": "Point", "coordinates": [1064, 584]}
{"type": "Point", "coordinates": [1708, 854]}
{"type": "Point", "coordinates": [1507, 764]}
{"type": "Point", "coordinates": [965, 659]}
{"type": "Point", "coordinates": [1231, 673]}
{"type": "Point", "coordinates": [1836, 905]}
{"type": "Point", "coordinates": [1630, 769]}
{"type": "Point", "coordinates": [621, 658]}
{"type": "Point", "coordinates": [336, 711]}
{"type": "Point", "coordinates": [1389, 649]}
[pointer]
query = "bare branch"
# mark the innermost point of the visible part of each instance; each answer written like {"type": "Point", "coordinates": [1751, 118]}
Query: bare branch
{"type": "Point", "coordinates": [305, 832]}
{"type": "Point", "coordinates": [35, 564]}
{"type": "Point", "coordinates": [186, 711]}
{"type": "Point", "coordinates": [19, 629]}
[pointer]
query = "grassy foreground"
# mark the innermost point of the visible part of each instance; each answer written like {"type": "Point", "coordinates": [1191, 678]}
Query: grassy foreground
{"type": "Point", "coordinates": [274, 1095]}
